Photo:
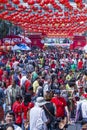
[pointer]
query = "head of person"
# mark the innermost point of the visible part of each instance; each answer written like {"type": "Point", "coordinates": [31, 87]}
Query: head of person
{"type": "Point", "coordinates": [86, 72]}
{"type": "Point", "coordinates": [27, 98]}
{"type": "Point", "coordinates": [9, 116]}
{"type": "Point", "coordinates": [48, 78]}
{"type": "Point", "coordinates": [19, 98]}
{"type": "Point", "coordinates": [48, 95]}
{"type": "Point", "coordinates": [86, 90]}
{"type": "Point", "coordinates": [40, 101]}
{"type": "Point", "coordinates": [13, 82]}
{"type": "Point", "coordinates": [57, 92]}
{"type": "Point", "coordinates": [30, 90]}
{"type": "Point", "coordinates": [9, 127]}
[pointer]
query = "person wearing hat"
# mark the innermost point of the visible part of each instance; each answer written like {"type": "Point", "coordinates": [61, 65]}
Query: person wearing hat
{"type": "Point", "coordinates": [38, 119]}
{"type": "Point", "coordinates": [61, 108]}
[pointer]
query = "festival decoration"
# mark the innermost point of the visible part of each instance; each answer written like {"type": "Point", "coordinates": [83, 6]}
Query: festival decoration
{"type": "Point", "coordinates": [49, 17]}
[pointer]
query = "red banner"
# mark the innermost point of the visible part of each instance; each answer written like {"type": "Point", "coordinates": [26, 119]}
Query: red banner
{"type": "Point", "coordinates": [36, 41]}
{"type": "Point", "coordinates": [79, 42]}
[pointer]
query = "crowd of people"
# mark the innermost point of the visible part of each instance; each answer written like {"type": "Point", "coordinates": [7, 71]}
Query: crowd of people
{"type": "Point", "coordinates": [42, 89]}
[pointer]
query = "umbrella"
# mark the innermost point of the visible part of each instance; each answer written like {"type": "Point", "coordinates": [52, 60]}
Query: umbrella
{"type": "Point", "coordinates": [21, 46]}
{"type": "Point", "coordinates": [24, 47]}
{"type": "Point", "coordinates": [16, 47]}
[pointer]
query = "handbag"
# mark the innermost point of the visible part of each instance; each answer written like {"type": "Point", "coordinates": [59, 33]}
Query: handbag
{"type": "Point", "coordinates": [54, 122]}
{"type": "Point", "coordinates": [57, 122]}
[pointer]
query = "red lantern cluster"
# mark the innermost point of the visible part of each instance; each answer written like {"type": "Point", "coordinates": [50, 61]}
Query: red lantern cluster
{"type": "Point", "coordinates": [48, 17]}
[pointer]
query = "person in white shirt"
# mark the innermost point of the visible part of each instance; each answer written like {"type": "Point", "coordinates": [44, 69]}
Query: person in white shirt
{"type": "Point", "coordinates": [23, 78]}
{"type": "Point", "coordinates": [82, 106]}
{"type": "Point", "coordinates": [38, 119]}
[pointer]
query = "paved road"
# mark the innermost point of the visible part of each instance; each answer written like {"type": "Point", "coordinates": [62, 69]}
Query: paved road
{"type": "Point", "coordinates": [74, 127]}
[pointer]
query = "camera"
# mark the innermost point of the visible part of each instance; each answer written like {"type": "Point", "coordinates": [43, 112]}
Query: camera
{"type": "Point", "coordinates": [55, 123]}
{"type": "Point", "coordinates": [2, 126]}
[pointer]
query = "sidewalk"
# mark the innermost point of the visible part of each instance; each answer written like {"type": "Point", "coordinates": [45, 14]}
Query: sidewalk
{"type": "Point", "coordinates": [76, 126]}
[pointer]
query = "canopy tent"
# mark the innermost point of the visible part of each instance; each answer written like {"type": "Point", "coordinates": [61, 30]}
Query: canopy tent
{"type": "Point", "coordinates": [21, 46]}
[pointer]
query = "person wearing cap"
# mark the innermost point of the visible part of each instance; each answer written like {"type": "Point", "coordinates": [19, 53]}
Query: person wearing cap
{"type": "Point", "coordinates": [38, 119]}
{"type": "Point", "coordinates": [61, 105]}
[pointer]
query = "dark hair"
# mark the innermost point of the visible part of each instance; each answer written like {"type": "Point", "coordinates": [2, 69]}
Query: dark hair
{"type": "Point", "coordinates": [86, 72]}
{"type": "Point", "coordinates": [27, 98]}
{"type": "Point", "coordinates": [30, 88]}
{"type": "Point", "coordinates": [86, 90]}
{"type": "Point", "coordinates": [41, 83]}
{"type": "Point", "coordinates": [10, 112]}
{"type": "Point", "coordinates": [18, 97]}
{"type": "Point", "coordinates": [9, 125]}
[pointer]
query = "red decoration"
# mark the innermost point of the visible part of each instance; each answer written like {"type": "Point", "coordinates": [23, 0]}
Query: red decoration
{"type": "Point", "coordinates": [4, 1]}
{"type": "Point", "coordinates": [30, 2]}
{"type": "Point", "coordinates": [16, 2]}
{"type": "Point", "coordinates": [25, 1]}
{"type": "Point", "coordinates": [38, 1]}
{"type": "Point", "coordinates": [1, 7]}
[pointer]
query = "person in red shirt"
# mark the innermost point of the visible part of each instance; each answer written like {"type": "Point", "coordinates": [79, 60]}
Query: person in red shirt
{"type": "Point", "coordinates": [17, 109]}
{"type": "Point", "coordinates": [1, 73]}
{"type": "Point", "coordinates": [27, 85]}
{"type": "Point", "coordinates": [80, 64]}
{"type": "Point", "coordinates": [60, 104]}
{"type": "Point", "coordinates": [53, 65]}
{"type": "Point", "coordinates": [26, 106]}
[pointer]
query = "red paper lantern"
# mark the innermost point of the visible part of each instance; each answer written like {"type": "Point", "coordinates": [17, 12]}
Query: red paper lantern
{"type": "Point", "coordinates": [52, 1]}
{"type": "Point", "coordinates": [63, 1]}
{"type": "Point", "coordinates": [46, 1]}
{"type": "Point", "coordinates": [8, 48]}
{"type": "Point", "coordinates": [38, 1]}
{"type": "Point", "coordinates": [1, 53]}
{"type": "Point", "coordinates": [78, 1]}
{"type": "Point", "coordinates": [39, 11]}
{"type": "Point", "coordinates": [1, 7]}
{"type": "Point", "coordinates": [3, 1]}
{"type": "Point", "coordinates": [42, 4]}
{"type": "Point", "coordinates": [8, 5]}
{"type": "Point", "coordinates": [6, 43]}
{"type": "Point", "coordinates": [16, 2]}
{"type": "Point", "coordinates": [3, 48]}
{"type": "Point", "coordinates": [30, 2]}
{"type": "Point", "coordinates": [25, 1]}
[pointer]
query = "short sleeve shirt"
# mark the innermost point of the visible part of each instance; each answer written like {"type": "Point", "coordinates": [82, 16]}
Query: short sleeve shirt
{"type": "Point", "coordinates": [60, 104]}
